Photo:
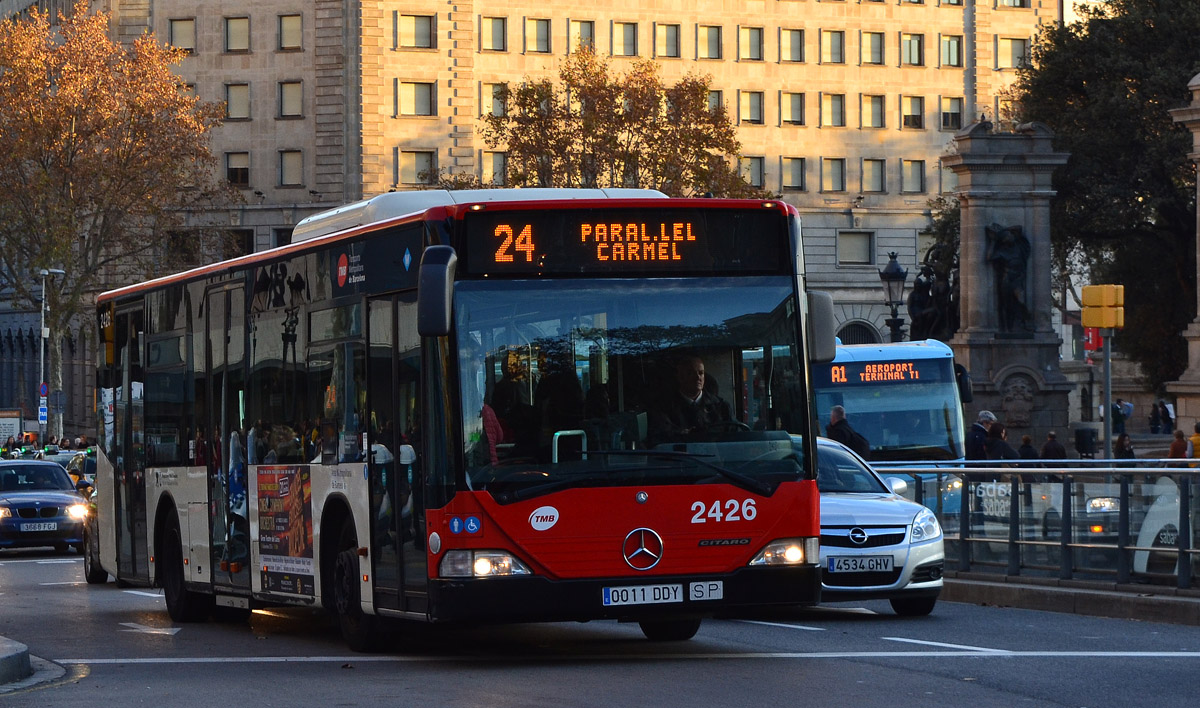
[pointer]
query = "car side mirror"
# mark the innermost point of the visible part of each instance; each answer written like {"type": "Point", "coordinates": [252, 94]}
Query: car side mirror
{"type": "Point", "coordinates": [897, 485]}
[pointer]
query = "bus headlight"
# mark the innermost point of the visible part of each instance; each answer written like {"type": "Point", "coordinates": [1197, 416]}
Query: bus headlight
{"type": "Point", "coordinates": [789, 551]}
{"type": "Point", "coordinates": [480, 564]}
{"type": "Point", "coordinates": [1101, 504]}
{"type": "Point", "coordinates": [77, 511]}
{"type": "Point", "coordinates": [925, 527]}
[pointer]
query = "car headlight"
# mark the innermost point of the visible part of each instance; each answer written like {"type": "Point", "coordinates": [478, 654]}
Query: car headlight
{"type": "Point", "coordinates": [5, 512]}
{"type": "Point", "coordinates": [789, 551]}
{"type": "Point", "coordinates": [1102, 504]}
{"type": "Point", "coordinates": [77, 511]}
{"type": "Point", "coordinates": [925, 527]}
{"type": "Point", "coordinates": [480, 564]}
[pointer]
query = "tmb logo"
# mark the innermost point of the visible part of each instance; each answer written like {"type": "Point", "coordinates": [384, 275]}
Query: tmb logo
{"type": "Point", "coordinates": [343, 270]}
{"type": "Point", "coordinates": [543, 518]}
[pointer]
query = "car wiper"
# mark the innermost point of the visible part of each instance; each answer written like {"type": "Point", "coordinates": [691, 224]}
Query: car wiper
{"type": "Point", "coordinates": [748, 483]}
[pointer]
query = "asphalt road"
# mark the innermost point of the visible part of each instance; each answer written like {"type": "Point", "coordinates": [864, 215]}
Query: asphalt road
{"type": "Point", "coordinates": [114, 646]}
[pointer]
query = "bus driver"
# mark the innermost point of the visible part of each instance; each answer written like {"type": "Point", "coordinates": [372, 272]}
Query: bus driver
{"type": "Point", "coordinates": [690, 408]}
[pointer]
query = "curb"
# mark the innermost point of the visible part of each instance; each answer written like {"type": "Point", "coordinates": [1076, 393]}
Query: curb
{"type": "Point", "coordinates": [14, 661]}
{"type": "Point", "coordinates": [1075, 597]}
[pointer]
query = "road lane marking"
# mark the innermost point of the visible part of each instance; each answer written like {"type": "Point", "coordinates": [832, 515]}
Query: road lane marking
{"type": "Point", "coordinates": [143, 629]}
{"type": "Point", "coordinates": [784, 625]}
{"type": "Point", "coordinates": [968, 647]}
{"type": "Point", "coordinates": [143, 593]}
{"type": "Point", "coordinates": [360, 659]}
{"type": "Point", "coordinates": [65, 582]}
{"type": "Point", "coordinates": [57, 561]}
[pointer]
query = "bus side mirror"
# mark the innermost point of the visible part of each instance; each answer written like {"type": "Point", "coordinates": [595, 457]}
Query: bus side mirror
{"type": "Point", "coordinates": [435, 291]}
{"type": "Point", "coordinates": [963, 379]}
{"type": "Point", "coordinates": [821, 328]}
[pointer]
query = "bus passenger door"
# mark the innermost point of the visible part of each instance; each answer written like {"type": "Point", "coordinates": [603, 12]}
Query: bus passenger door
{"type": "Point", "coordinates": [398, 519]}
{"type": "Point", "coordinates": [129, 456]}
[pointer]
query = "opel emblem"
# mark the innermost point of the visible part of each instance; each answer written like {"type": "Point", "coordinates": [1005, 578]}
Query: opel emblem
{"type": "Point", "coordinates": [643, 549]}
{"type": "Point", "coordinates": [858, 536]}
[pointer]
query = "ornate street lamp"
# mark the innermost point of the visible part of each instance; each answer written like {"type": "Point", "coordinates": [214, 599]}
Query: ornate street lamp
{"type": "Point", "coordinates": [893, 276]}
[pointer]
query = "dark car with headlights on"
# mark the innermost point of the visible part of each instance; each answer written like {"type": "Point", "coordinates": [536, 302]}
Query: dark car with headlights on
{"type": "Point", "coordinates": [874, 543]}
{"type": "Point", "coordinates": [39, 506]}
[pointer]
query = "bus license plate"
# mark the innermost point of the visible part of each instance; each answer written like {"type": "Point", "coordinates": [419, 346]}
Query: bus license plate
{"type": "Point", "coordinates": [642, 595]}
{"type": "Point", "coordinates": [43, 526]}
{"type": "Point", "coordinates": [860, 564]}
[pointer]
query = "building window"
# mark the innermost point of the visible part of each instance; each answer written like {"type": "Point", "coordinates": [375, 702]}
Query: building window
{"type": "Point", "coordinates": [417, 99]}
{"type": "Point", "coordinates": [495, 168]}
{"type": "Point", "coordinates": [417, 167]}
{"type": "Point", "coordinates": [1014, 3]}
{"type": "Point", "coordinates": [708, 43]}
{"type": "Point", "coordinates": [493, 100]}
{"type": "Point", "coordinates": [793, 173]}
{"type": "Point", "coordinates": [291, 168]}
{"type": "Point", "coordinates": [952, 50]}
{"type": "Point", "coordinates": [833, 174]}
{"type": "Point", "coordinates": [912, 175]}
{"type": "Point", "coordinates": [1012, 53]}
{"type": "Point", "coordinates": [291, 99]}
{"type": "Point", "coordinates": [415, 32]}
{"type": "Point", "coordinates": [537, 36]}
{"type": "Point", "coordinates": [183, 34]}
{"type": "Point", "coordinates": [625, 39]}
{"type": "Point", "coordinates": [912, 111]}
{"type": "Point", "coordinates": [912, 49]}
{"type": "Point", "coordinates": [291, 32]}
{"type": "Point", "coordinates": [494, 34]}
{"type": "Point", "coordinates": [237, 101]}
{"type": "Point", "coordinates": [952, 113]}
{"type": "Point", "coordinates": [716, 101]}
{"type": "Point", "coordinates": [857, 332]}
{"type": "Point", "coordinates": [833, 110]}
{"type": "Point", "coordinates": [751, 109]}
{"type": "Point", "coordinates": [833, 47]}
{"type": "Point", "coordinates": [237, 169]}
{"type": "Point", "coordinates": [583, 35]}
{"type": "Point", "coordinates": [873, 172]}
{"type": "Point", "coordinates": [751, 169]}
{"type": "Point", "coordinates": [666, 41]}
{"type": "Point", "coordinates": [872, 48]}
{"type": "Point", "coordinates": [949, 178]}
{"type": "Point", "coordinates": [855, 248]}
{"type": "Point", "coordinates": [952, 2]}
{"type": "Point", "coordinates": [237, 34]}
{"type": "Point", "coordinates": [791, 108]}
{"type": "Point", "coordinates": [791, 45]}
{"type": "Point", "coordinates": [873, 111]}
{"type": "Point", "coordinates": [750, 43]}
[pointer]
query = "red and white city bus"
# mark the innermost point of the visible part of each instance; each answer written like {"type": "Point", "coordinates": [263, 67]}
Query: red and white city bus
{"type": "Point", "coordinates": [445, 406]}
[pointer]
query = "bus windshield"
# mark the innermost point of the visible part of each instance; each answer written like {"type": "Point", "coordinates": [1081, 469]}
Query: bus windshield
{"type": "Point", "coordinates": [907, 407]}
{"type": "Point", "coordinates": [572, 382]}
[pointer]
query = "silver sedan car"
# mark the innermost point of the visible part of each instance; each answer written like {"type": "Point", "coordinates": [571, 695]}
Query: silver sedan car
{"type": "Point", "coordinates": [874, 543]}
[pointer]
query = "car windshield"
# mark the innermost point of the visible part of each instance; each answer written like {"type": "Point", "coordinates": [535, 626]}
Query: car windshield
{"type": "Point", "coordinates": [620, 381]}
{"type": "Point", "coordinates": [840, 471]}
{"type": "Point", "coordinates": [29, 478]}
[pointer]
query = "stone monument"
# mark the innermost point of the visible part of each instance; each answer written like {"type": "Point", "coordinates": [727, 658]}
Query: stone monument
{"type": "Point", "coordinates": [1187, 389]}
{"type": "Point", "coordinates": [1005, 336]}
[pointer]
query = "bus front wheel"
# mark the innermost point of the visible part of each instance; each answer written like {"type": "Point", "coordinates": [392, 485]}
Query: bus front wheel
{"type": "Point", "coordinates": [93, 573]}
{"type": "Point", "coordinates": [358, 629]}
{"type": "Point", "coordinates": [670, 630]}
{"type": "Point", "coordinates": [182, 604]}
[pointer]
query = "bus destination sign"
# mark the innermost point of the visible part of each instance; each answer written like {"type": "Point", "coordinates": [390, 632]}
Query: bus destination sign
{"type": "Point", "coordinates": [624, 241]}
{"type": "Point", "coordinates": [856, 373]}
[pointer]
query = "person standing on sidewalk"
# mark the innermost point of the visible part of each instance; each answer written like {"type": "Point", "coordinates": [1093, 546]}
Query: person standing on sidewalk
{"type": "Point", "coordinates": [978, 434]}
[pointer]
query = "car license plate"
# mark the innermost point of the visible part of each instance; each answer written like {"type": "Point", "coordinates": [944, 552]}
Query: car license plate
{"type": "Point", "coordinates": [642, 595]}
{"type": "Point", "coordinates": [860, 564]}
{"type": "Point", "coordinates": [42, 526]}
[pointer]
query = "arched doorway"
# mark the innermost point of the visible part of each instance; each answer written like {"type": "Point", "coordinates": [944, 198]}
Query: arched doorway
{"type": "Point", "coordinates": [858, 333]}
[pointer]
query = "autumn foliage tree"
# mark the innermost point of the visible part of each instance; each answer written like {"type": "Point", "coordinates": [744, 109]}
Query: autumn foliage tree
{"type": "Point", "coordinates": [102, 149]}
{"type": "Point", "coordinates": [594, 129]}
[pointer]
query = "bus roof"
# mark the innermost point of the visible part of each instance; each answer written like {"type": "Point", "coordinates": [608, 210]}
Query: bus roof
{"type": "Point", "coordinates": [925, 349]}
{"type": "Point", "coordinates": [397, 204]}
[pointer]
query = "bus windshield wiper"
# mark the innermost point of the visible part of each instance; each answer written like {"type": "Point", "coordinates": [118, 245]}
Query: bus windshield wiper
{"type": "Point", "coordinates": [748, 483]}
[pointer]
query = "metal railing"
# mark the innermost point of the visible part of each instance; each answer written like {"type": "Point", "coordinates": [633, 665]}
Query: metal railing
{"type": "Point", "coordinates": [1128, 520]}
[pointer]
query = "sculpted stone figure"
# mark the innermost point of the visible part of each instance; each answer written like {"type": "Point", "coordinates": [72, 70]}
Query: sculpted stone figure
{"type": "Point", "coordinates": [1008, 253]}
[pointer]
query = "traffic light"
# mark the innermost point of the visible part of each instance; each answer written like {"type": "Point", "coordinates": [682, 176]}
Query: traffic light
{"type": "Point", "coordinates": [1104, 306]}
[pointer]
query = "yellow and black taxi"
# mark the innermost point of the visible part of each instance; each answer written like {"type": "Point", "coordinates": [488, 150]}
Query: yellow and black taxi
{"type": "Point", "coordinates": [39, 506]}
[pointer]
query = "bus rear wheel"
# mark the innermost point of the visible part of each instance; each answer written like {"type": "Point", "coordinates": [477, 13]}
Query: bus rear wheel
{"type": "Point", "coordinates": [183, 605]}
{"type": "Point", "coordinates": [670, 630]}
{"type": "Point", "coordinates": [358, 629]}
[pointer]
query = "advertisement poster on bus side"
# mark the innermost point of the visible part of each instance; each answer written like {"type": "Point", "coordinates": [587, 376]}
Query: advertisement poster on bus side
{"type": "Point", "coordinates": [285, 533]}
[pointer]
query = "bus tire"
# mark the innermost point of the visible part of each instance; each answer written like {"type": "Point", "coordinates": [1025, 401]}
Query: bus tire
{"type": "Point", "coordinates": [93, 573]}
{"type": "Point", "coordinates": [183, 605]}
{"type": "Point", "coordinates": [913, 606]}
{"type": "Point", "coordinates": [670, 630]}
{"type": "Point", "coordinates": [358, 629]}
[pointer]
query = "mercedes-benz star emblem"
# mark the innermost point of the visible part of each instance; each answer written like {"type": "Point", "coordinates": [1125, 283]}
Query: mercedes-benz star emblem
{"type": "Point", "coordinates": [858, 536]}
{"type": "Point", "coordinates": [643, 549]}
